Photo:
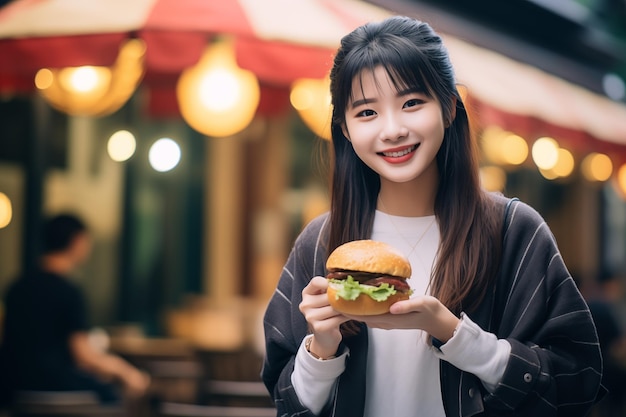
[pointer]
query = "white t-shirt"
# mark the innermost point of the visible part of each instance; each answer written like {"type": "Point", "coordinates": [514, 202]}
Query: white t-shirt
{"type": "Point", "coordinates": [401, 365]}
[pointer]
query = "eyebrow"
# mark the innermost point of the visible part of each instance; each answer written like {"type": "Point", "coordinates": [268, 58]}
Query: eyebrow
{"type": "Point", "coordinates": [400, 93]}
{"type": "Point", "coordinates": [357, 103]}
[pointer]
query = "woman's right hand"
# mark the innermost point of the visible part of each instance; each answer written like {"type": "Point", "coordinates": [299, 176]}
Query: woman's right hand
{"type": "Point", "coordinates": [323, 320]}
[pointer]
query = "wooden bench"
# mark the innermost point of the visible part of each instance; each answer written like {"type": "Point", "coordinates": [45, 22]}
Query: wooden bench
{"type": "Point", "coordinates": [236, 393]}
{"type": "Point", "coordinates": [192, 410]}
{"type": "Point", "coordinates": [62, 403]}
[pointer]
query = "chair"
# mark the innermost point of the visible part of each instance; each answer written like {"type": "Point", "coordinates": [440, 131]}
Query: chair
{"type": "Point", "coordinates": [192, 410]}
{"type": "Point", "coordinates": [62, 403]}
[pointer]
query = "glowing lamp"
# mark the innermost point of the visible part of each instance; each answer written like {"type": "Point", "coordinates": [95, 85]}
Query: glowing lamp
{"type": "Point", "coordinates": [564, 164]}
{"type": "Point", "coordinates": [514, 149]}
{"type": "Point", "coordinates": [164, 155]}
{"type": "Point", "coordinates": [492, 178]}
{"type": "Point", "coordinates": [311, 98]}
{"type": "Point", "coordinates": [597, 167]}
{"type": "Point", "coordinates": [491, 141]}
{"type": "Point", "coordinates": [502, 147]}
{"type": "Point", "coordinates": [6, 210]}
{"type": "Point", "coordinates": [121, 145]}
{"type": "Point", "coordinates": [620, 180]}
{"type": "Point", "coordinates": [215, 96]}
{"type": "Point", "coordinates": [94, 91]}
{"type": "Point", "coordinates": [545, 153]}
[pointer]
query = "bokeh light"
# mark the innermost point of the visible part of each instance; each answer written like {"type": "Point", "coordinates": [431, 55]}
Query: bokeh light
{"type": "Point", "coordinates": [216, 97]}
{"type": "Point", "coordinates": [121, 145]}
{"type": "Point", "coordinates": [565, 163]}
{"type": "Point", "coordinates": [6, 210]}
{"type": "Point", "coordinates": [621, 180]}
{"type": "Point", "coordinates": [164, 155]}
{"type": "Point", "coordinates": [492, 178]}
{"type": "Point", "coordinates": [514, 149]}
{"type": "Point", "coordinates": [597, 167]}
{"type": "Point", "coordinates": [545, 152]}
{"type": "Point", "coordinates": [311, 98]}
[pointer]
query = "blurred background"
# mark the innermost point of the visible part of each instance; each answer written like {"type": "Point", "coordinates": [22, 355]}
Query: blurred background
{"type": "Point", "coordinates": [191, 135]}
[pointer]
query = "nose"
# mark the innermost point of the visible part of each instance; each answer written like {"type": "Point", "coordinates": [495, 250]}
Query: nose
{"type": "Point", "coordinates": [393, 128]}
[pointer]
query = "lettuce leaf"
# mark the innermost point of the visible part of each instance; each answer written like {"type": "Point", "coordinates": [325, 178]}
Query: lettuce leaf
{"type": "Point", "coordinates": [349, 289]}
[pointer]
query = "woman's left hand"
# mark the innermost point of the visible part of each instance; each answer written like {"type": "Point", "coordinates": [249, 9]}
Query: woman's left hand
{"type": "Point", "coordinates": [422, 312]}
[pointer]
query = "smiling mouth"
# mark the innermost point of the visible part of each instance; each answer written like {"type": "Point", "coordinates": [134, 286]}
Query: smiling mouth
{"type": "Point", "coordinates": [398, 154]}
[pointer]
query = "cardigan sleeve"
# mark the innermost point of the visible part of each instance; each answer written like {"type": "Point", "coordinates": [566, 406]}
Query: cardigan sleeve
{"type": "Point", "coordinates": [284, 325]}
{"type": "Point", "coordinates": [555, 365]}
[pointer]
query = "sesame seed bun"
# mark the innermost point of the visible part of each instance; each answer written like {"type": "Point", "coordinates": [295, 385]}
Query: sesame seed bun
{"type": "Point", "coordinates": [369, 256]}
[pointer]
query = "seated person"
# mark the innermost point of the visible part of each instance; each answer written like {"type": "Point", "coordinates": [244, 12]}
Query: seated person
{"type": "Point", "coordinates": [45, 345]}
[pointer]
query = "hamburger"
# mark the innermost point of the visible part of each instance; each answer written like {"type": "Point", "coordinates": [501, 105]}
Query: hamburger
{"type": "Point", "coordinates": [365, 277]}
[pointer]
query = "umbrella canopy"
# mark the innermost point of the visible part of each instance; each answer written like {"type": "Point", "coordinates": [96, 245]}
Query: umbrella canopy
{"type": "Point", "coordinates": [509, 92]}
{"type": "Point", "coordinates": [280, 40]}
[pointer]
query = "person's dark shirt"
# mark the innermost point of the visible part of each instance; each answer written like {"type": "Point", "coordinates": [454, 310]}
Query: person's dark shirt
{"type": "Point", "coordinates": [42, 310]}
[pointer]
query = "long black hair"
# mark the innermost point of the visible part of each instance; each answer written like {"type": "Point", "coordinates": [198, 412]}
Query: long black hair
{"type": "Point", "coordinates": [414, 56]}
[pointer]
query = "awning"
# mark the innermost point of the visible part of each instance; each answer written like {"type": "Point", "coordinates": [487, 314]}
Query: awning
{"type": "Point", "coordinates": [277, 39]}
{"type": "Point", "coordinates": [520, 90]}
{"type": "Point", "coordinates": [285, 39]}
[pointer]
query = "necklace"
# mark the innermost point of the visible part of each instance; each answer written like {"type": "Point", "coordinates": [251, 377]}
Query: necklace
{"type": "Point", "coordinates": [412, 246]}
{"type": "Point", "coordinates": [428, 271]}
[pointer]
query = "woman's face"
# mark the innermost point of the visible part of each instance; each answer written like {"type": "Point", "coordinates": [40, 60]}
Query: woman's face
{"type": "Point", "coordinates": [396, 133]}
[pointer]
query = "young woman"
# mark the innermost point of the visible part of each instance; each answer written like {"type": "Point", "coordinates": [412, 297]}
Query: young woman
{"type": "Point", "coordinates": [495, 326]}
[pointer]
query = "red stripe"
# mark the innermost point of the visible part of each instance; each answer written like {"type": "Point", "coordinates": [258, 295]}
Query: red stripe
{"type": "Point", "coordinates": [213, 16]}
{"type": "Point", "coordinates": [27, 55]}
{"type": "Point", "coordinates": [177, 31]}
{"type": "Point", "coordinates": [280, 64]}
{"type": "Point", "coordinates": [17, 83]}
{"type": "Point", "coordinates": [173, 51]}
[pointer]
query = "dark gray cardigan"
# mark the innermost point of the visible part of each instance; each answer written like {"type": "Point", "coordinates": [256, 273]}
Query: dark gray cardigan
{"type": "Point", "coordinates": [555, 364]}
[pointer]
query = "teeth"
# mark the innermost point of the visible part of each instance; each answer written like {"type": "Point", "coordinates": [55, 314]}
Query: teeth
{"type": "Point", "coordinates": [401, 153]}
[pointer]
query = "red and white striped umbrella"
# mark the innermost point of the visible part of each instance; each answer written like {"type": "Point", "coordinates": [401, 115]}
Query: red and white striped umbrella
{"type": "Point", "coordinates": [280, 40]}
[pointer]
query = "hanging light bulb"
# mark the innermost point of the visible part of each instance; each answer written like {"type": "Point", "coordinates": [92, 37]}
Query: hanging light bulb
{"type": "Point", "coordinates": [311, 98]}
{"type": "Point", "coordinates": [91, 90]}
{"type": "Point", "coordinates": [6, 210]}
{"type": "Point", "coordinates": [216, 97]}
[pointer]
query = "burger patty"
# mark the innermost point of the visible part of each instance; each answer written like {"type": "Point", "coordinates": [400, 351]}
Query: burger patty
{"type": "Point", "coordinates": [370, 278]}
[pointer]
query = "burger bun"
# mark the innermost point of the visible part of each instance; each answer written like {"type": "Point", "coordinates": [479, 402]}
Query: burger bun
{"type": "Point", "coordinates": [369, 256]}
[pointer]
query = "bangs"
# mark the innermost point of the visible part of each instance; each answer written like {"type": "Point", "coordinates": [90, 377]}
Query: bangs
{"type": "Point", "coordinates": [405, 64]}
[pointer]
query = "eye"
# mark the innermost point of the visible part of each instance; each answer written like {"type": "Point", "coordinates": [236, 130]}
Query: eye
{"type": "Point", "coordinates": [366, 113]}
{"type": "Point", "coordinates": [413, 102]}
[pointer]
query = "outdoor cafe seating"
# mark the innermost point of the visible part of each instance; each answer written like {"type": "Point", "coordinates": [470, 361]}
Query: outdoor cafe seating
{"type": "Point", "coordinates": [62, 403]}
{"type": "Point", "coordinates": [208, 365]}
